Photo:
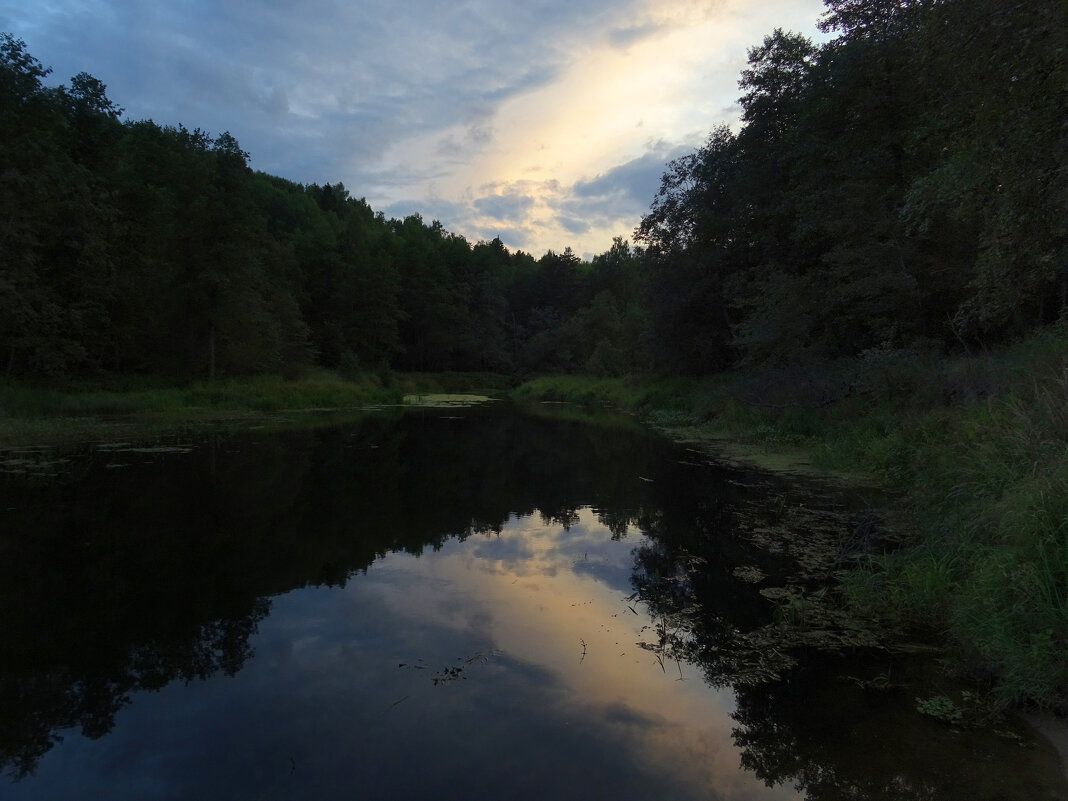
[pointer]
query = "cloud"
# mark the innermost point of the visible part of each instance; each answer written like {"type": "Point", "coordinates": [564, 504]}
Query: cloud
{"type": "Point", "coordinates": [632, 34]}
{"type": "Point", "coordinates": [572, 225]}
{"type": "Point", "coordinates": [514, 238]}
{"type": "Point", "coordinates": [325, 73]}
{"type": "Point", "coordinates": [506, 214]}
{"type": "Point", "coordinates": [621, 193]}
{"type": "Point", "coordinates": [635, 181]}
{"type": "Point", "coordinates": [616, 576]}
{"type": "Point", "coordinates": [524, 212]}
{"type": "Point", "coordinates": [620, 712]}
{"type": "Point", "coordinates": [477, 135]}
{"type": "Point", "coordinates": [429, 209]}
{"type": "Point", "coordinates": [438, 108]}
{"type": "Point", "coordinates": [504, 207]}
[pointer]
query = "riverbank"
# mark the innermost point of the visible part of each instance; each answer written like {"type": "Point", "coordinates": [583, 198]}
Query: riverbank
{"type": "Point", "coordinates": [52, 412]}
{"type": "Point", "coordinates": [975, 447]}
{"type": "Point", "coordinates": [45, 413]}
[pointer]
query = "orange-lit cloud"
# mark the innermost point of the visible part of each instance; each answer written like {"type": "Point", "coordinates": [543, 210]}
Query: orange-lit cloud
{"type": "Point", "coordinates": [655, 83]}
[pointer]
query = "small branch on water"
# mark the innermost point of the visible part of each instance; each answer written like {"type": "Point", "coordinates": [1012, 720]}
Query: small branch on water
{"type": "Point", "coordinates": [583, 657]}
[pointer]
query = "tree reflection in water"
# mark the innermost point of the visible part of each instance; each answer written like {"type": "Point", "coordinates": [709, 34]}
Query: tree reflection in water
{"type": "Point", "coordinates": [130, 568]}
{"type": "Point", "coordinates": [823, 703]}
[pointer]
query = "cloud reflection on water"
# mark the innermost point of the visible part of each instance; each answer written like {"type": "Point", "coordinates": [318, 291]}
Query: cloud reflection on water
{"type": "Point", "coordinates": [342, 693]}
{"type": "Point", "coordinates": [564, 598]}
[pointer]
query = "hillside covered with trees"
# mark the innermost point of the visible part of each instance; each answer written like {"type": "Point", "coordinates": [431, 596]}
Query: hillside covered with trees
{"type": "Point", "coordinates": [903, 185]}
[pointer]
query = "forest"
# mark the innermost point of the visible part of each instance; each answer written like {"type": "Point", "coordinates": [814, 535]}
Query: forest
{"type": "Point", "coordinates": [903, 185]}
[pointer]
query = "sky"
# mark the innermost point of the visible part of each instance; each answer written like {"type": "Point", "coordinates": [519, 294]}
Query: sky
{"type": "Point", "coordinates": [547, 123]}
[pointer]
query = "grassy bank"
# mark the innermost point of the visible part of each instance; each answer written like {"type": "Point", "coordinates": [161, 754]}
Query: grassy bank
{"type": "Point", "coordinates": [978, 447]}
{"type": "Point", "coordinates": [46, 412]}
{"type": "Point", "coordinates": [35, 413]}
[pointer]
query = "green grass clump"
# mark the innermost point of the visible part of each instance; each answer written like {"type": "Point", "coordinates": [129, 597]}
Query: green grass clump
{"type": "Point", "coordinates": [986, 482]}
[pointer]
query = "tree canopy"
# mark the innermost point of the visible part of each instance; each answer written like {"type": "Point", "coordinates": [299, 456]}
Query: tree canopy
{"type": "Point", "coordinates": [902, 185]}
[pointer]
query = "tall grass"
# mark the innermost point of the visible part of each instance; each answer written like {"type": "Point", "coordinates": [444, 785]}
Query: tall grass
{"type": "Point", "coordinates": [321, 389]}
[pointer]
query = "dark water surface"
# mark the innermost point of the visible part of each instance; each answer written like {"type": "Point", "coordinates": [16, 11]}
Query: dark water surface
{"type": "Point", "coordinates": [463, 603]}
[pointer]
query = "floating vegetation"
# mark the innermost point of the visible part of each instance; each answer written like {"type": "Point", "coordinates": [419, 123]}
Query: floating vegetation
{"type": "Point", "coordinates": [158, 449]}
{"type": "Point", "coordinates": [940, 708]}
{"type": "Point", "coordinates": [36, 462]}
{"type": "Point", "coordinates": [775, 593]}
{"type": "Point", "coordinates": [445, 401]}
{"type": "Point", "coordinates": [798, 531]}
{"type": "Point", "coordinates": [972, 710]}
{"type": "Point", "coordinates": [749, 573]}
{"type": "Point", "coordinates": [451, 673]}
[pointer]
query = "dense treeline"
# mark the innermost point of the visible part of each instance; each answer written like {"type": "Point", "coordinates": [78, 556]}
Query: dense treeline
{"type": "Point", "coordinates": [903, 185]}
{"type": "Point", "coordinates": [135, 247]}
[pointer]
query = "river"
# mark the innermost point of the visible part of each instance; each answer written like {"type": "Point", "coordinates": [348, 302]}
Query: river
{"type": "Point", "coordinates": [449, 603]}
